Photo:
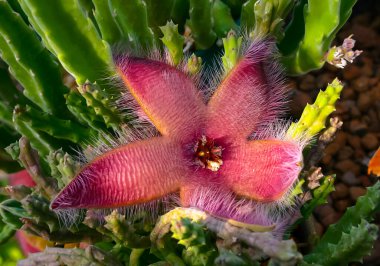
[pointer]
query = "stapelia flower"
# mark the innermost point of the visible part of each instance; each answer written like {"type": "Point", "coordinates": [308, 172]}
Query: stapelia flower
{"type": "Point", "coordinates": [217, 156]}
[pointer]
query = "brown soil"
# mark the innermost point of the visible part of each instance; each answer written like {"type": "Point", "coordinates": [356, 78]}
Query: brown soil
{"type": "Point", "coordinates": [359, 109]}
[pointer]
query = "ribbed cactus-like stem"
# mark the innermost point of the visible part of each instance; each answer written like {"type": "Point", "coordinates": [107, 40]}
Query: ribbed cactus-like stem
{"type": "Point", "coordinates": [279, 251]}
{"type": "Point", "coordinates": [232, 46]}
{"type": "Point", "coordinates": [223, 21]}
{"type": "Point", "coordinates": [201, 23]}
{"type": "Point", "coordinates": [269, 17]}
{"type": "Point", "coordinates": [194, 64]}
{"type": "Point", "coordinates": [353, 245]}
{"type": "Point", "coordinates": [90, 58]}
{"type": "Point", "coordinates": [159, 12]}
{"type": "Point", "coordinates": [319, 195]}
{"type": "Point", "coordinates": [132, 18]}
{"type": "Point", "coordinates": [360, 234]}
{"type": "Point", "coordinates": [57, 128]}
{"type": "Point", "coordinates": [30, 160]}
{"type": "Point", "coordinates": [313, 118]}
{"type": "Point", "coordinates": [78, 106]}
{"type": "Point", "coordinates": [179, 12]}
{"type": "Point", "coordinates": [63, 167]}
{"type": "Point", "coordinates": [124, 232]}
{"type": "Point", "coordinates": [76, 256]}
{"type": "Point", "coordinates": [39, 140]}
{"type": "Point", "coordinates": [173, 41]}
{"type": "Point", "coordinates": [102, 103]}
{"type": "Point", "coordinates": [108, 28]}
{"type": "Point", "coordinates": [38, 208]}
{"type": "Point", "coordinates": [30, 62]}
{"type": "Point", "coordinates": [322, 20]}
{"type": "Point", "coordinates": [247, 19]}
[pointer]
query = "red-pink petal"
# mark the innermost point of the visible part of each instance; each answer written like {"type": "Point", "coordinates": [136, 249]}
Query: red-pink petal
{"type": "Point", "coordinates": [135, 173]}
{"type": "Point", "coordinates": [29, 243]}
{"type": "Point", "coordinates": [250, 95]}
{"type": "Point", "coordinates": [167, 96]}
{"type": "Point", "coordinates": [262, 170]}
{"type": "Point", "coordinates": [21, 178]}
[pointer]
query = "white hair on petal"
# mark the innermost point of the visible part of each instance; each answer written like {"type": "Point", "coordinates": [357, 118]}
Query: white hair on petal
{"type": "Point", "coordinates": [126, 102]}
{"type": "Point", "coordinates": [211, 77]}
{"type": "Point", "coordinates": [68, 218]}
{"type": "Point", "coordinates": [219, 202]}
{"type": "Point", "coordinates": [146, 212]}
{"type": "Point", "coordinates": [280, 129]}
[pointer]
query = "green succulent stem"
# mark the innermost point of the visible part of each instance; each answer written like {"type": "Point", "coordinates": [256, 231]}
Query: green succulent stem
{"type": "Point", "coordinates": [132, 19]}
{"type": "Point", "coordinates": [194, 64]}
{"type": "Point", "coordinates": [58, 128]}
{"type": "Point", "coordinates": [351, 234]}
{"type": "Point", "coordinates": [269, 17]}
{"type": "Point", "coordinates": [173, 41]}
{"type": "Point", "coordinates": [223, 21]}
{"type": "Point", "coordinates": [30, 63]}
{"type": "Point", "coordinates": [201, 23]}
{"type": "Point", "coordinates": [76, 256]}
{"type": "Point", "coordinates": [232, 51]}
{"type": "Point", "coordinates": [313, 118]}
{"type": "Point", "coordinates": [314, 33]}
{"type": "Point", "coordinates": [90, 58]}
{"type": "Point", "coordinates": [247, 19]}
{"type": "Point", "coordinates": [108, 27]}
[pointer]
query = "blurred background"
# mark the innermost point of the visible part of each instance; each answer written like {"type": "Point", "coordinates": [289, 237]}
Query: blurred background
{"type": "Point", "coordinates": [359, 109]}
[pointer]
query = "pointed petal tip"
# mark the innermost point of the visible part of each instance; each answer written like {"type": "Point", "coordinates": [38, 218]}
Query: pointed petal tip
{"type": "Point", "coordinates": [64, 201]}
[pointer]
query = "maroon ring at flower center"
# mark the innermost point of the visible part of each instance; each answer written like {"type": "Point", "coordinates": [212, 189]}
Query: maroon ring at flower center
{"type": "Point", "coordinates": [208, 154]}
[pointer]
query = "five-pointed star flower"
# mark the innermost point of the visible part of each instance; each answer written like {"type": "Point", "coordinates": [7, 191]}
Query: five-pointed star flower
{"type": "Point", "coordinates": [206, 151]}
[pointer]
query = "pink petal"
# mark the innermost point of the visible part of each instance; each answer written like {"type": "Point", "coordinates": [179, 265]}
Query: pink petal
{"type": "Point", "coordinates": [167, 96]}
{"type": "Point", "coordinates": [262, 170]}
{"type": "Point", "coordinates": [26, 242]}
{"type": "Point", "coordinates": [21, 178]}
{"type": "Point", "coordinates": [251, 95]}
{"type": "Point", "coordinates": [135, 173]}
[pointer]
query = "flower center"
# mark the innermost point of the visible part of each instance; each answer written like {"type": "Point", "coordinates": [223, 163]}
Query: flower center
{"type": "Point", "coordinates": [207, 154]}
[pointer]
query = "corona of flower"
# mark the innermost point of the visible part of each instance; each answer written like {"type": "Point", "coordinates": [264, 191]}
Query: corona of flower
{"type": "Point", "coordinates": [217, 155]}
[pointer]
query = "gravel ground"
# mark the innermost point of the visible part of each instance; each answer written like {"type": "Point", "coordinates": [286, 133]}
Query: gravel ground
{"type": "Point", "coordinates": [359, 109]}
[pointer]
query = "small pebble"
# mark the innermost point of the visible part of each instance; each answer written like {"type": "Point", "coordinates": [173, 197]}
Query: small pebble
{"type": "Point", "coordinates": [326, 159]}
{"type": "Point", "coordinates": [355, 112]}
{"type": "Point", "coordinates": [354, 141]}
{"type": "Point", "coordinates": [370, 141]}
{"type": "Point", "coordinates": [319, 228]}
{"type": "Point", "coordinates": [350, 179]}
{"type": "Point", "coordinates": [307, 83]}
{"type": "Point", "coordinates": [358, 127]}
{"type": "Point", "coordinates": [341, 191]}
{"type": "Point", "coordinates": [323, 211]}
{"type": "Point", "coordinates": [361, 84]}
{"type": "Point", "coordinates": [365, 36]}
{"type": "Point", "coordinates": [332, 148]}
{"type": "Point", "coordinates": [366, 182]}
{"type": "Point", "coordinates": [330, 219]}
{"type": "Point", "coordinates": [364, 102]}
{"type": "Point", "coordinates": [359, 154]}
{"type": "Point", "coordinates": [356, 192]}
{"type": "Point", "coordinates": [299, 101]}
{"type": "Point", "coordinates": [348, 166]}
{"type": "Point", "coordinates": [350, 72]}
{"type": "Point", "coordinates": [342, 205]}
{"type": "Point", "coordinates": [341, 138]}
{"type": "Point", "coordinates": [345, 153]}
{"type": "Point", "coordinates": [348, 94]}
{"type": "Point", "coordinates": [323, 79]}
